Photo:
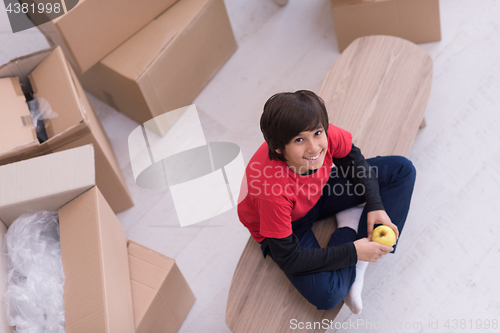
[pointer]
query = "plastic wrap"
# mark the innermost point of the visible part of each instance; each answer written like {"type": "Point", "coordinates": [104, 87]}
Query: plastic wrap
{"type": "Point", "coordinates": [31, 254]}
{"type": "Point", "coordinates": [40, 109]}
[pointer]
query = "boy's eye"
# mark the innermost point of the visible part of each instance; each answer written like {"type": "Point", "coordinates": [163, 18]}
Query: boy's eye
{"type": "Point", "coordinates": [317, 133]}
{"type": "Point", "coordinates": [298, 140]}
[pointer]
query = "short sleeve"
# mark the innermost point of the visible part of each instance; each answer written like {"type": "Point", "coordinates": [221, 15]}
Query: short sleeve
{"type": "Point", "coordinates": [275, 218]}
{"type": "Point", "coordinates": [339, 141]}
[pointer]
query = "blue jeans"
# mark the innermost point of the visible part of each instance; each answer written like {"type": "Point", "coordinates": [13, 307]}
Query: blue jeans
{"type": "Point", "coordinates": [396, 177]}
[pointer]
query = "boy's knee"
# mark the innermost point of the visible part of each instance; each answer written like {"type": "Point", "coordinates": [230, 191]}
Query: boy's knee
{"type": "Point", "coordinates": [404, 168]}
{"type": "Point", "coordinates": [326, 298]}
{"type": "Point", "coordinates": [331, 299]}
{"type": "Point", "coordinates": [409, 168]}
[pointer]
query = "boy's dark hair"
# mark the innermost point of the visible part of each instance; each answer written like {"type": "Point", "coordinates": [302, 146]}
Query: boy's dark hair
{"type": "Point", "coordinates": [288, 114]}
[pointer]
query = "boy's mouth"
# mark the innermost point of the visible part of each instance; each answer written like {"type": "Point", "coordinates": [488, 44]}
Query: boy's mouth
{"type": "Point", "coordinates": [314, 157]}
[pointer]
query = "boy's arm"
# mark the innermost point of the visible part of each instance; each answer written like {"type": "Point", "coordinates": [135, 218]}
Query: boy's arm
{"type": "Point", "coordinates": [357, 170]}
{"type": "Point", "coordinates": [294, 259]}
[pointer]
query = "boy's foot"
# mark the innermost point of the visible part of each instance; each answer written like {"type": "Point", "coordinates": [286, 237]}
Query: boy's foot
{"type": "Point", "coordinates": [353, 299]}
{"type": "Point", "coordinates": [350, 217]}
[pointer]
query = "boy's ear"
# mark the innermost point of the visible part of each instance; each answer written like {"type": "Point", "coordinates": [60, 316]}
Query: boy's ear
{"type": "Point", "coordinates": [278, 151]}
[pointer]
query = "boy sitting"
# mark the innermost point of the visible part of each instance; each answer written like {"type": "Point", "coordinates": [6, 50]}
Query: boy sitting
{"type": "Point", "coordinates": [291, 183]}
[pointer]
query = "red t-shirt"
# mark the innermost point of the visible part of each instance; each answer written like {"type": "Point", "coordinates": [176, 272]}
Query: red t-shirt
{"type": "Point", "coordinates": [276, 196]}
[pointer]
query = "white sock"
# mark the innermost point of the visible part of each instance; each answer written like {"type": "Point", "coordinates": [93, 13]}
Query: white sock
{"type": "Point", "coordinates": [353, 299]}
{"type": "Point", "coordinates": [350, 217]}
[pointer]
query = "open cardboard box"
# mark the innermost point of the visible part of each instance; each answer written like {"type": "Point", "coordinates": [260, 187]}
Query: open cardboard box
{"type": "Point", "coordinates": [161, 296]}
{"type": "Point", "coordinates": [166, 64]}
{"type": "Point", "coordinates": [49, 76]}
{"type": "Point", "coordinates": [97, 292]}
{"type": "Point", "coordinates": [415, 20]}
{"type": "Point", "coordinates": [93, 28]}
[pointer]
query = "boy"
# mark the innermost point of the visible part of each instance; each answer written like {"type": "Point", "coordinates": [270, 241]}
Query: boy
{"type": "Point", "coordinates": [290, 183]}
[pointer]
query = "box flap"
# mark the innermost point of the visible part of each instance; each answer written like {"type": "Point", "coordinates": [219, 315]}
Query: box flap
{"type": "Point", "coordinates": [97, 293]}
{"type": "Point", "coordinates": [16, 128]}
{"type": "Point", "coordinates": [148, 271]}
{"type": "Point", "coordinates": [142, 297]}
{"type": "Point", "coordinates": [45, 182]}
{"type": "Point", "coordinates": [157, 286]}
{"type": "Point", "coordinates": [23, 66]}
{"type": "Point", "coordinates": [52, 80]}
{"type": "Point", "coordinates": [177, 294]}
{"type": "Point", "coordinates": [158, 318]}
{"type": "Point", "coordinates": [150, 256]}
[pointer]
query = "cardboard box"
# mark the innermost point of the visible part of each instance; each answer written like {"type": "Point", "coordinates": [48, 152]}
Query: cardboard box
{"type": "Point", "coordinates": [160, 294]}
{"type": "Point", "coordinates": [16, 118]}
{"type": "Point", "coordinates": [414, 20]}
{"type": "Point", "coordinates": [97, 291]}
{"type": "Point", "coordinates": [168, 63]}
{"type": "Point", "coordinates": [93, 28]}
{"type": "Point", "coordinates": [49, 75]}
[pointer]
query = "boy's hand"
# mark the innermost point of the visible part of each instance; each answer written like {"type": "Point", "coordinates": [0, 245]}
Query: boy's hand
{"type": "Point", "coordinates": [379, 217]}
{"type": "Point", "coordinates": [370, 251]}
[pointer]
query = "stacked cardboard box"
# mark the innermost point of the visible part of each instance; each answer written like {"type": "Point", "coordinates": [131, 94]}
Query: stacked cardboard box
{"type": "Point", "coordinates": [144, 65]}
{"type": "Point", "coordinates": [48, 75]}
{"type": "Point", "coordinates": [93, 28]}
{"type": "Point", "coordinates": [109, 280]}
{"type": "Point", "coordinates": [166, 64]}
{"type": "Point", "coordinates": [145, 58]}
{"type": "Point", "coordinates": [415, 20]}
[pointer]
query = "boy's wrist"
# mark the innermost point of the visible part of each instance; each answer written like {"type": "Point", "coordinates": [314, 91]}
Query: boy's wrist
{"type": "Point", "coordinates": [371, 206]}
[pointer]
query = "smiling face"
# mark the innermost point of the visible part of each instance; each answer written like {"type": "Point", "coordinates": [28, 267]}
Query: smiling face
{"type": "Point", "coordinates": [306, 151]}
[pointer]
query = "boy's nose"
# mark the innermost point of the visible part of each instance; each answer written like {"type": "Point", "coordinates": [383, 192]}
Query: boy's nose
{"type": "Point", "coordinates": [312, 147]}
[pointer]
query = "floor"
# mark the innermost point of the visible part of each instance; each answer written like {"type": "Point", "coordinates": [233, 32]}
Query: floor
{"type": "Point", "coordinates": [443, 276]}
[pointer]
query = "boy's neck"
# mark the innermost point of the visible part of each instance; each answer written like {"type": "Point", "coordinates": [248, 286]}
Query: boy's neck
{"type": "Point", "coordinates": [300, 170]}
{"type": "Point", "coordinates": [308, 172]}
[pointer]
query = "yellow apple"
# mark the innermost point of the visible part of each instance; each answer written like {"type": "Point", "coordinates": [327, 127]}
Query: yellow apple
{"type": "Point", "coordinates": [384, 235]}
